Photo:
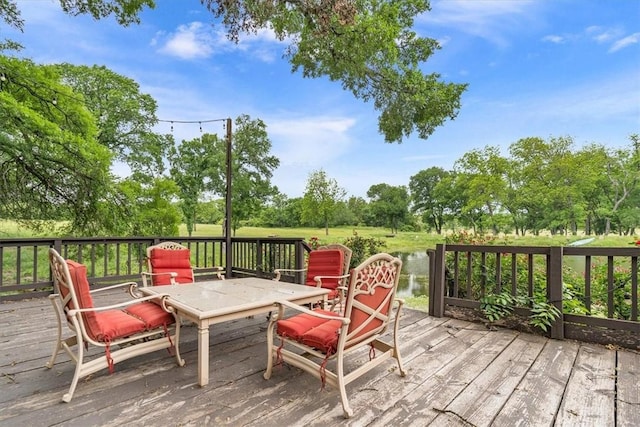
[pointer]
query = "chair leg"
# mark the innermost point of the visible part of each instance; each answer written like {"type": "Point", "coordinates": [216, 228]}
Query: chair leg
{"type": "Point", "coordinates": [176, 344]}
{"type": "Point", "coordinates": [58, 344]}
{"type": "Point", "coordinates": [396, 348]}
{"type": "Point", "coordinates": [79, 358]}
{"type": "Point", "coordinates": [267, 372]}
{"type": "Point", "coordinates": [348, 412]}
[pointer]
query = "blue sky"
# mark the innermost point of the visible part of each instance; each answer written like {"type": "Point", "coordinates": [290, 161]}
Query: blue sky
{"type": "Point", "coordinates": [540, 68]}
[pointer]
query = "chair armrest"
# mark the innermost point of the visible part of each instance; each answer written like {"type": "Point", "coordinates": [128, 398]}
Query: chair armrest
{"type": "Point", "coordinates": [172, 275]}
{"type": "Point", "coordinates": [318, 279]}
{"type": "Point", "coordinates": [116, 306]}
{"type": "Point", "coordinates": [106, 288]}
{"type": "Point", "coordinates": [283, 303]}
{"type": "Point", "coordinates": [279, 271]}
{"type": "Point", "coordinates": [218, 270]}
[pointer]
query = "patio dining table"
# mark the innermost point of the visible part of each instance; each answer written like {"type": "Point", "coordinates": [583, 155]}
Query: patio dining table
{"type": "Point", "coordinates": [209, 302]}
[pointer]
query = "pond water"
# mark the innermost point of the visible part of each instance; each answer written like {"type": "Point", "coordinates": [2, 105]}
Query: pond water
{"type": "Point", "coordinates": [414, 280]}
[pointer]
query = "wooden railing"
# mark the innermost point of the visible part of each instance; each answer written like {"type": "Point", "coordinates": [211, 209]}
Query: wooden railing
{"type": "Point", "coordinates": [595, 288]}
{"type": "Point", "coordinates": [25, 273]}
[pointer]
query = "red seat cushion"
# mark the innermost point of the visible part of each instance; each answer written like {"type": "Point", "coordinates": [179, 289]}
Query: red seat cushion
{"type": "Point", "coordinates": [171, 261]}
{"type": "Point", "coordinates": [326, 262]}
{"type": "Point", "coordinates": [151, 314]}
{"type": "Point", "coordinates": [321, 334]}
{"type": "Point", "coordinates": [112, 324]}
{"type": "Point", "coordinates": [106, 325]}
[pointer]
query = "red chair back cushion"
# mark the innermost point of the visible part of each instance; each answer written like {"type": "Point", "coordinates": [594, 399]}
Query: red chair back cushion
{"type": "Point", "coordinates": [171, 260]}
{"type": "Point", "coordinates": [78, 273]}
{"type": "Point", "coordinates": [326, 262]}
{"type": "Point", "coordinates": [105, 326]}
{"type": "Point", "coordinates": [377, 300]}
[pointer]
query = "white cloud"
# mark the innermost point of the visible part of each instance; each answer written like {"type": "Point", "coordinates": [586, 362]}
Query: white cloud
{"type": "Point", "coordinates": [624, 42]}
{"type": "Point", "coordinates": [603, 35]}
{"type": "Point", "coordinates": [310, 140]}
{"type": "Point", "coordinates": [554, 39]}
{"type": "Point", "coordinates": [488, 19]}
{"type": "Point", "coordinates": [188, 42]}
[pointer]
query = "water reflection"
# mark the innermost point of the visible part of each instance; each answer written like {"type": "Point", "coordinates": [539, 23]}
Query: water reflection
{"type": "Point", "coordinates": [414, 280]}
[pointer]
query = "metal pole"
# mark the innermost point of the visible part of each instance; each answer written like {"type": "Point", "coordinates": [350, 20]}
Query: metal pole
{"type": "Point", "coordinates": [227, 219]}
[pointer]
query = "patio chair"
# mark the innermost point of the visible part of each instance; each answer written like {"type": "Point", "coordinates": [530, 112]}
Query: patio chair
{"type": "Point", "coordinates": [326, 268]}
{"type": "Point", "coordinates": [124, 330]}
{"type": "Point", "coordinates": [312, 338]}
{"type": "Point", "coordinates": [169, 263]}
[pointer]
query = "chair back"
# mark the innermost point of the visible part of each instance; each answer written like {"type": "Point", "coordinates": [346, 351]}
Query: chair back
{"type": "Point", "coordinates": [370, 295]}
{"type": "Point", "coordinates": [72, 285]}
{"type": "Point", "coordinates": [169, 257]}
{"type": "Point", "coordinates": [346, 259]}
{"type": "Point", "coordinates": [328, 262]}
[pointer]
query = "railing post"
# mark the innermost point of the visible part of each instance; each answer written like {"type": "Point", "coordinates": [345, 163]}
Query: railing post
{"type": "Point", "coordinates": [299, 261]}
{"type": "Point", "coordinates": [437, 284]}
{"type": "Point", "coordinates": [554, 289]}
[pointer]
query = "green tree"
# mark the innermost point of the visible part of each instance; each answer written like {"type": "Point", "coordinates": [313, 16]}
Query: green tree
{"type": "Point", "coordinates": [390, 204]}
{"type": "Point", "coordinates": [51, 162]}
{"type": "Point", "coordinates": [424, 198]}
{"type": "Point", "coordinates": [482, 174]}
{"type": "Point", "coordinates": [152, 207]}
{"type": "Point", "coordinates": [551, 190]}
{"type": "Point", "coordinates": [190, 164]}
{"type": "Point", "coordinates": [623, 173]}
{"type": "Point", "coordinates": [252, 168]}
{"type": "Point", "coordinates": [368, 45]}
{"type": "Point", "coordinates": [124, 116]}
{"type": "Point", "coordinates": [321, 197]}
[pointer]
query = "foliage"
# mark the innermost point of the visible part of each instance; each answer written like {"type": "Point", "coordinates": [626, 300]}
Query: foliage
{"type": "Point", "coordinates": [367, 45]}
{"type": "Point", "coordinates": [53, 166]}
{"type": "Point", "coordinates": [390, 204]}
{"type": "Point", "coordinates": [252, 167]}
{"type": "Point", "coordinates": [321, 197]}
{"type": "Point", "coordinates": [124, 116]}
{"type": "Point", "coordinates": [499, 306]}
{"type": "Point", "coordinates": [362, 248]}
{"type": "Point", "coordinates": [425, 199]}
{"type": "Point", "coordinates": [190, 164]}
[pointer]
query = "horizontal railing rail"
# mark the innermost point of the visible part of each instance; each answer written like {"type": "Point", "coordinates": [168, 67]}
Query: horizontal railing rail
{"type": "Point", "coordinates": [25, 272]}
{"type": "Point", "coordinates": [594, 288]}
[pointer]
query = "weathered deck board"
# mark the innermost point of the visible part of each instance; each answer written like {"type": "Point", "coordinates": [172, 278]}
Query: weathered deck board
{"type": "Point", "coordinates": [539, 394]}
{"type": "Point", "coordinates": [458, 373]}
{"type": "Point", "coordinates": [593, 371]}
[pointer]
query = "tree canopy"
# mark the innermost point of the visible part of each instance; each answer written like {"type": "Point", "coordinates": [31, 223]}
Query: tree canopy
{"type": "Point", "coordinates": [367, 45]}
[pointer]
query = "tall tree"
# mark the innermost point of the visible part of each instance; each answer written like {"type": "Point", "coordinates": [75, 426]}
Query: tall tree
{"type": "Point", "coordinates": [424, 198]}
{"type": "Point", "coordinates": [190, 164]}
{"type": "Point", "coordinates": [252, 168]}
{"type": "Point", "coordinates": [321, 197]}
{"type": "Point", "coordinates": [483, 173]}
{"type": "Point", "coordinates": [623, 173]}
{"type": "Point", "coordinates": [368, 45]}
{"type": "Point", "coordinates": [390, 204]}
{"type": "Point", "coordinates": [51, 163]}
{"type": "Point", "coordinates": [124, 116]}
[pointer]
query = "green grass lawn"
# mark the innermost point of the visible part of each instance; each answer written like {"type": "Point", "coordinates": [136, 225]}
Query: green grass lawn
{"type": "Point", "coordinates": [404, 241]}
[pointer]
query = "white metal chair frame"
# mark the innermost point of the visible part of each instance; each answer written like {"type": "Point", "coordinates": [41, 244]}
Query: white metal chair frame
{"type": "Point", "coordinates": [348, 340]}
{"type": "Point", "coordinates": [147, 276]}
{"type": "Point", "coordinates": [132, 346]}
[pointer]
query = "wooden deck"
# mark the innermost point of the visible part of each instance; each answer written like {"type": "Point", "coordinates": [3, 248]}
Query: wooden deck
{"type": "Point", "coordinates": [459, 374]}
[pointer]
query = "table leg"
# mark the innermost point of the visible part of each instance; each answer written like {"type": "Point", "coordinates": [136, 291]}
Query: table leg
{"type": "Point", "coordinates": [203, 355]}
